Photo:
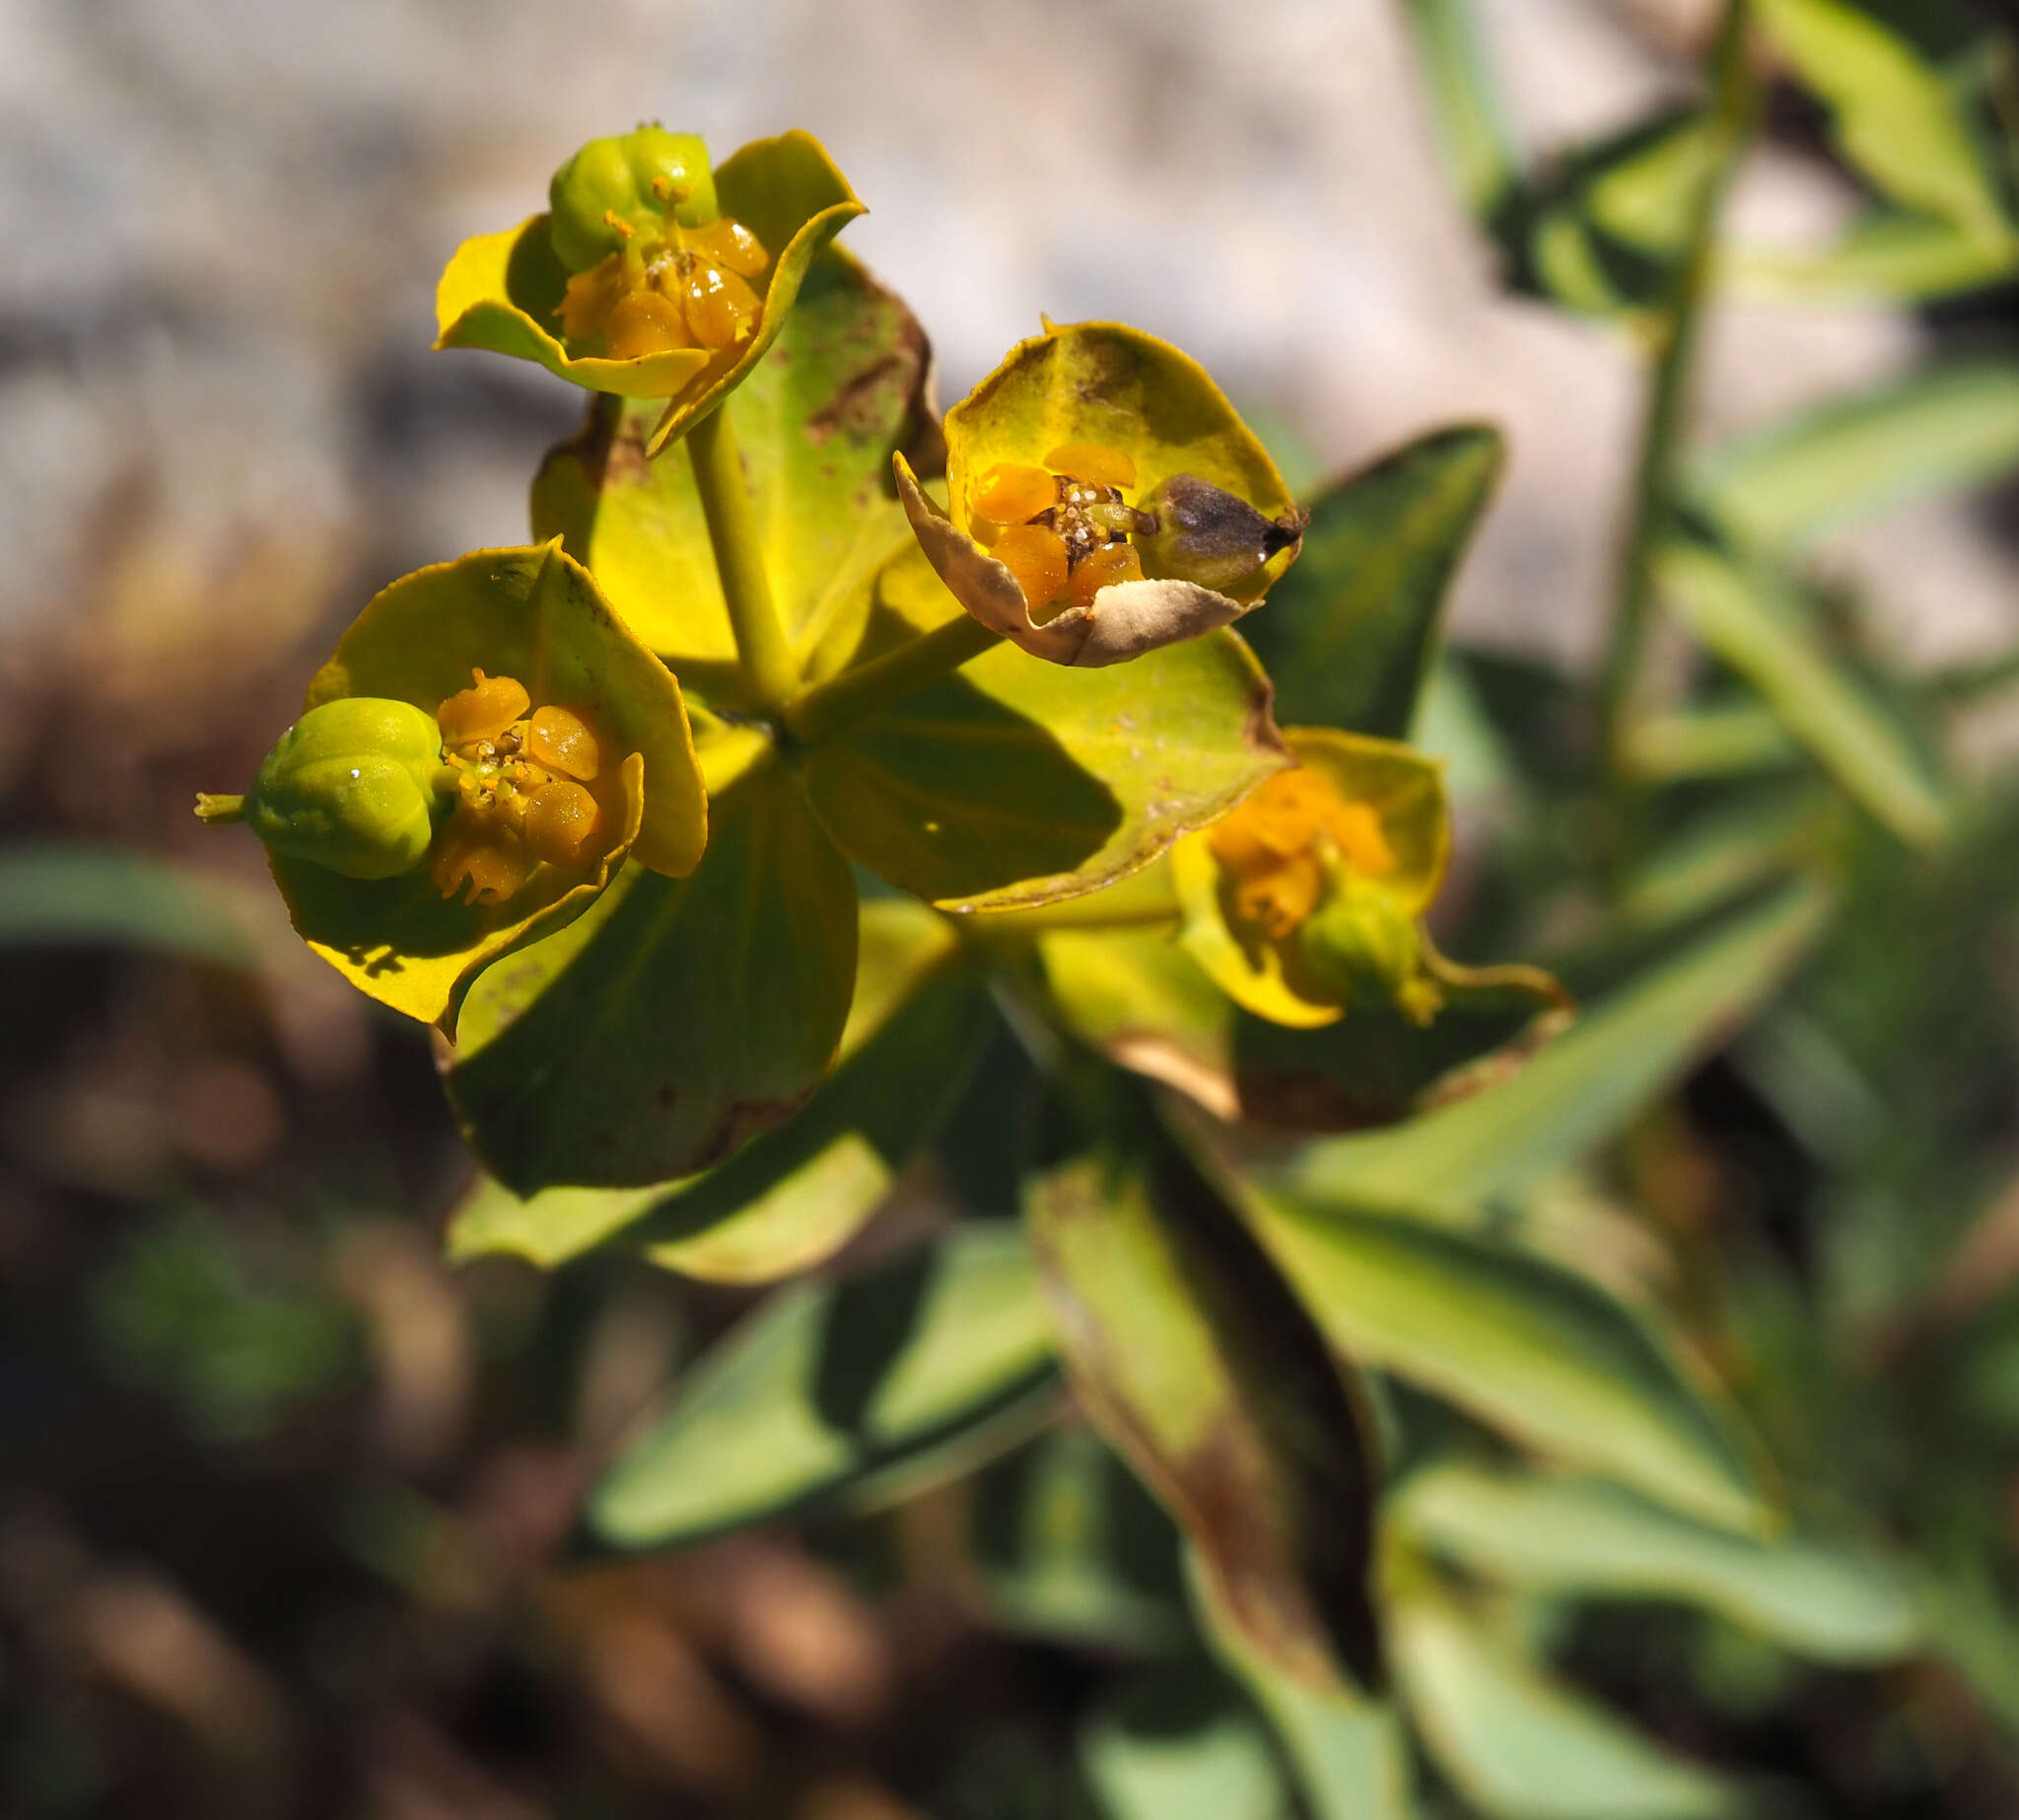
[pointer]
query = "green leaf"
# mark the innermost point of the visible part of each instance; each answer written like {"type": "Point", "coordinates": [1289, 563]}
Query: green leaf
{"type": "Point", "coordinates": [1351, 631]}
{"type": "Point", "coordinates": [73, 894]}
{"type": "Point", "coordinates": [1951, 426]}
{"type": "Point", "coordinates": [816, 423]}
{"type": "Point", "coordinates": [1070, 1548]}
{"type": "Point", "coordinates": [1584, 1538]}
{"type": "Point", "coordinates": [1582, 1088]}
{"type": "Point", "coordinates": [1020, 782]}
{"type": "Point", "coordinates": [1190, 1354]}
{"type": "Point", "coordinates": [1377, 1066]}
{"type": "Point", "coordinates": [795, 1194]}
{"type": "Point", "coordinates": [1619, 219]}
{"type": "Point", "coordinates": [1712, 741]}
{"type": "Point", "coordinates": [1178, 1744]}
{"type": "Point", "coordinates": [1900, 119]}
{"type": "Point", "coordinates": [1527, 1346]}
{"type": "Point", "coordinates": [1521, 1745]}
{"type": "Point", "coordinates": [1886, 256]}
{"type": "Point", "coordinates": [1478, 151]}
{"type": "Point", "coordinates": [1750, 621]}
{"type": "Point", "coordinates": [674, 1021]}
{"type": "Point", "coordinates": [1350, 1755]}
{"type": "Point", "coordinates": [825, 1385]}
{"type": "Point", "coordinates": [1138, 996]}
{"type": "Point", "coordinates": [1753, 838]}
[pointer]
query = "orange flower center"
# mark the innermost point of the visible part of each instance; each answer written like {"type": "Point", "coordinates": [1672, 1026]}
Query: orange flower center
{"type": "Point", "coordinates": [522, 796]}
{"type": "Point", "coordinates": [1274, 849]}
{"type": "Point", "coordinates": [1062, 529]}
{"type": "Point", "coordinates": [684, 288]}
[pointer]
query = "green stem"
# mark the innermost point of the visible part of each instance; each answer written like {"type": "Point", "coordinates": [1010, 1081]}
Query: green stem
{"type": "Point", "coordinates": [763, 650]}
{"type": "Point", "coordinates": [827, 708]}
{"type": "Point", "coordinates": [1676, 335]}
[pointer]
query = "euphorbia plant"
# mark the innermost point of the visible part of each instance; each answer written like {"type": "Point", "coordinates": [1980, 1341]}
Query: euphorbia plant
{"type": "Point", "coordinates": [1015, 891]}
{"type": "Point", "coordinates": [813, 735]}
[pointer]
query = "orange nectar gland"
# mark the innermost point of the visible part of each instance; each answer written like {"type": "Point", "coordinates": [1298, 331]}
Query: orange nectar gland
{"type": "Point", "coordinates": [521, 790]}
{"type": "Point", "coordinates": [1274, 846]}
{"type": "Point", "coordinates": [684, 288]}
{"type": "Point", "coordinates": [1062, 529]}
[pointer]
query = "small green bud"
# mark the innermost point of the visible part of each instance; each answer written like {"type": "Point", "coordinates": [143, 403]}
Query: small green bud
{"type": "Point", "coordinates": [1209, 535]}
{"type": "Point", "coordinates": [354, 785]}
{"type": "Point", "coordinates": [633, 180]}
{"type": "Point", "coordinates": [1360, 938]}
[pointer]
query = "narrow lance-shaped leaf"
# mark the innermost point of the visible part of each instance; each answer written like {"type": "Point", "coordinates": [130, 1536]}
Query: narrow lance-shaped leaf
{"type": "Point", "coordinates": [1527, 1346]}
{"type": "Point", "coordinates": [1900, 120]}
{"type": "Point", "coordinates": [1069, 1547]}
{"type": "Point", "coordinates": [1715, 741]}
{"type": "Point", "coordinates": [1750, 622]}
{"type": "Point", "coordinates": [1582, 1088]}
{"type": "Point", "coordinates": [1741, 843]}
{"type": "Point", "coordinates": [1194, 1358]}
{"type": "Point", "coordinates": [826, 1387]}
{"type": "Point", "coordinates": [1584, 1538]}
{"type": "Point", "coordinates": [676, 1021]}
{"type": "Point", "coordinates": [793, 1194]}
{"type": "Point", "coordinates": [1476, 146]}
{"type": "Point", "coordinates": [1177, 1743]}
{"type": "Point", "coordinates": [1948, 427]}
{"type": "Point", "coordinates": [1351, 631]}
{"type": "Point", "coordinates": [71, 894]}
{"type": "Point", "coordinates": [1608, 240]}
{"type": "Point", "coordinates": [1521, 1745]}
{"type": "Point", "coordinates": [1350, 1755]}
{"type": "Point", "coordinates": [1886, 256]}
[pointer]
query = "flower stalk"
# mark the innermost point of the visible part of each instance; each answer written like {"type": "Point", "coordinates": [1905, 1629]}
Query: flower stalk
{"type": "Point", "coordinates": [764, 651]}
{"type": "Point", "coordinates": [831, 707]}
{"type": "Point", "coordinates": [1676, 333]}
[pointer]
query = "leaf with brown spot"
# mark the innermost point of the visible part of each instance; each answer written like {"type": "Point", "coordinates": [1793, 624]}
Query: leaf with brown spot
{"type": "Point", "coordinates": [843, 386]}
{"type": "Point", "coordinates": [1194, 1358]}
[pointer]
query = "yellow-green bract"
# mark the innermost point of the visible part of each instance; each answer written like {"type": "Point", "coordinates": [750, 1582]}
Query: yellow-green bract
{"type": "Point", "coordinates": [502, 290]}
{"type": "Point", "coordinates": [1117, 388]}
{"type": "Point", "coordinates": [536, 615]}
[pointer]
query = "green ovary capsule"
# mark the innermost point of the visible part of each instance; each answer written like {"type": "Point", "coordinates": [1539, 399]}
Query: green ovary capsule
{"type": "Point", "coordinates": [614, 188]}
{"type": "Point", "coordinates": [1360, 937]}
{"type": "Point", "coordinates": [1209, 535]}
{"type": "Point", "coordinates": [354, 785]}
